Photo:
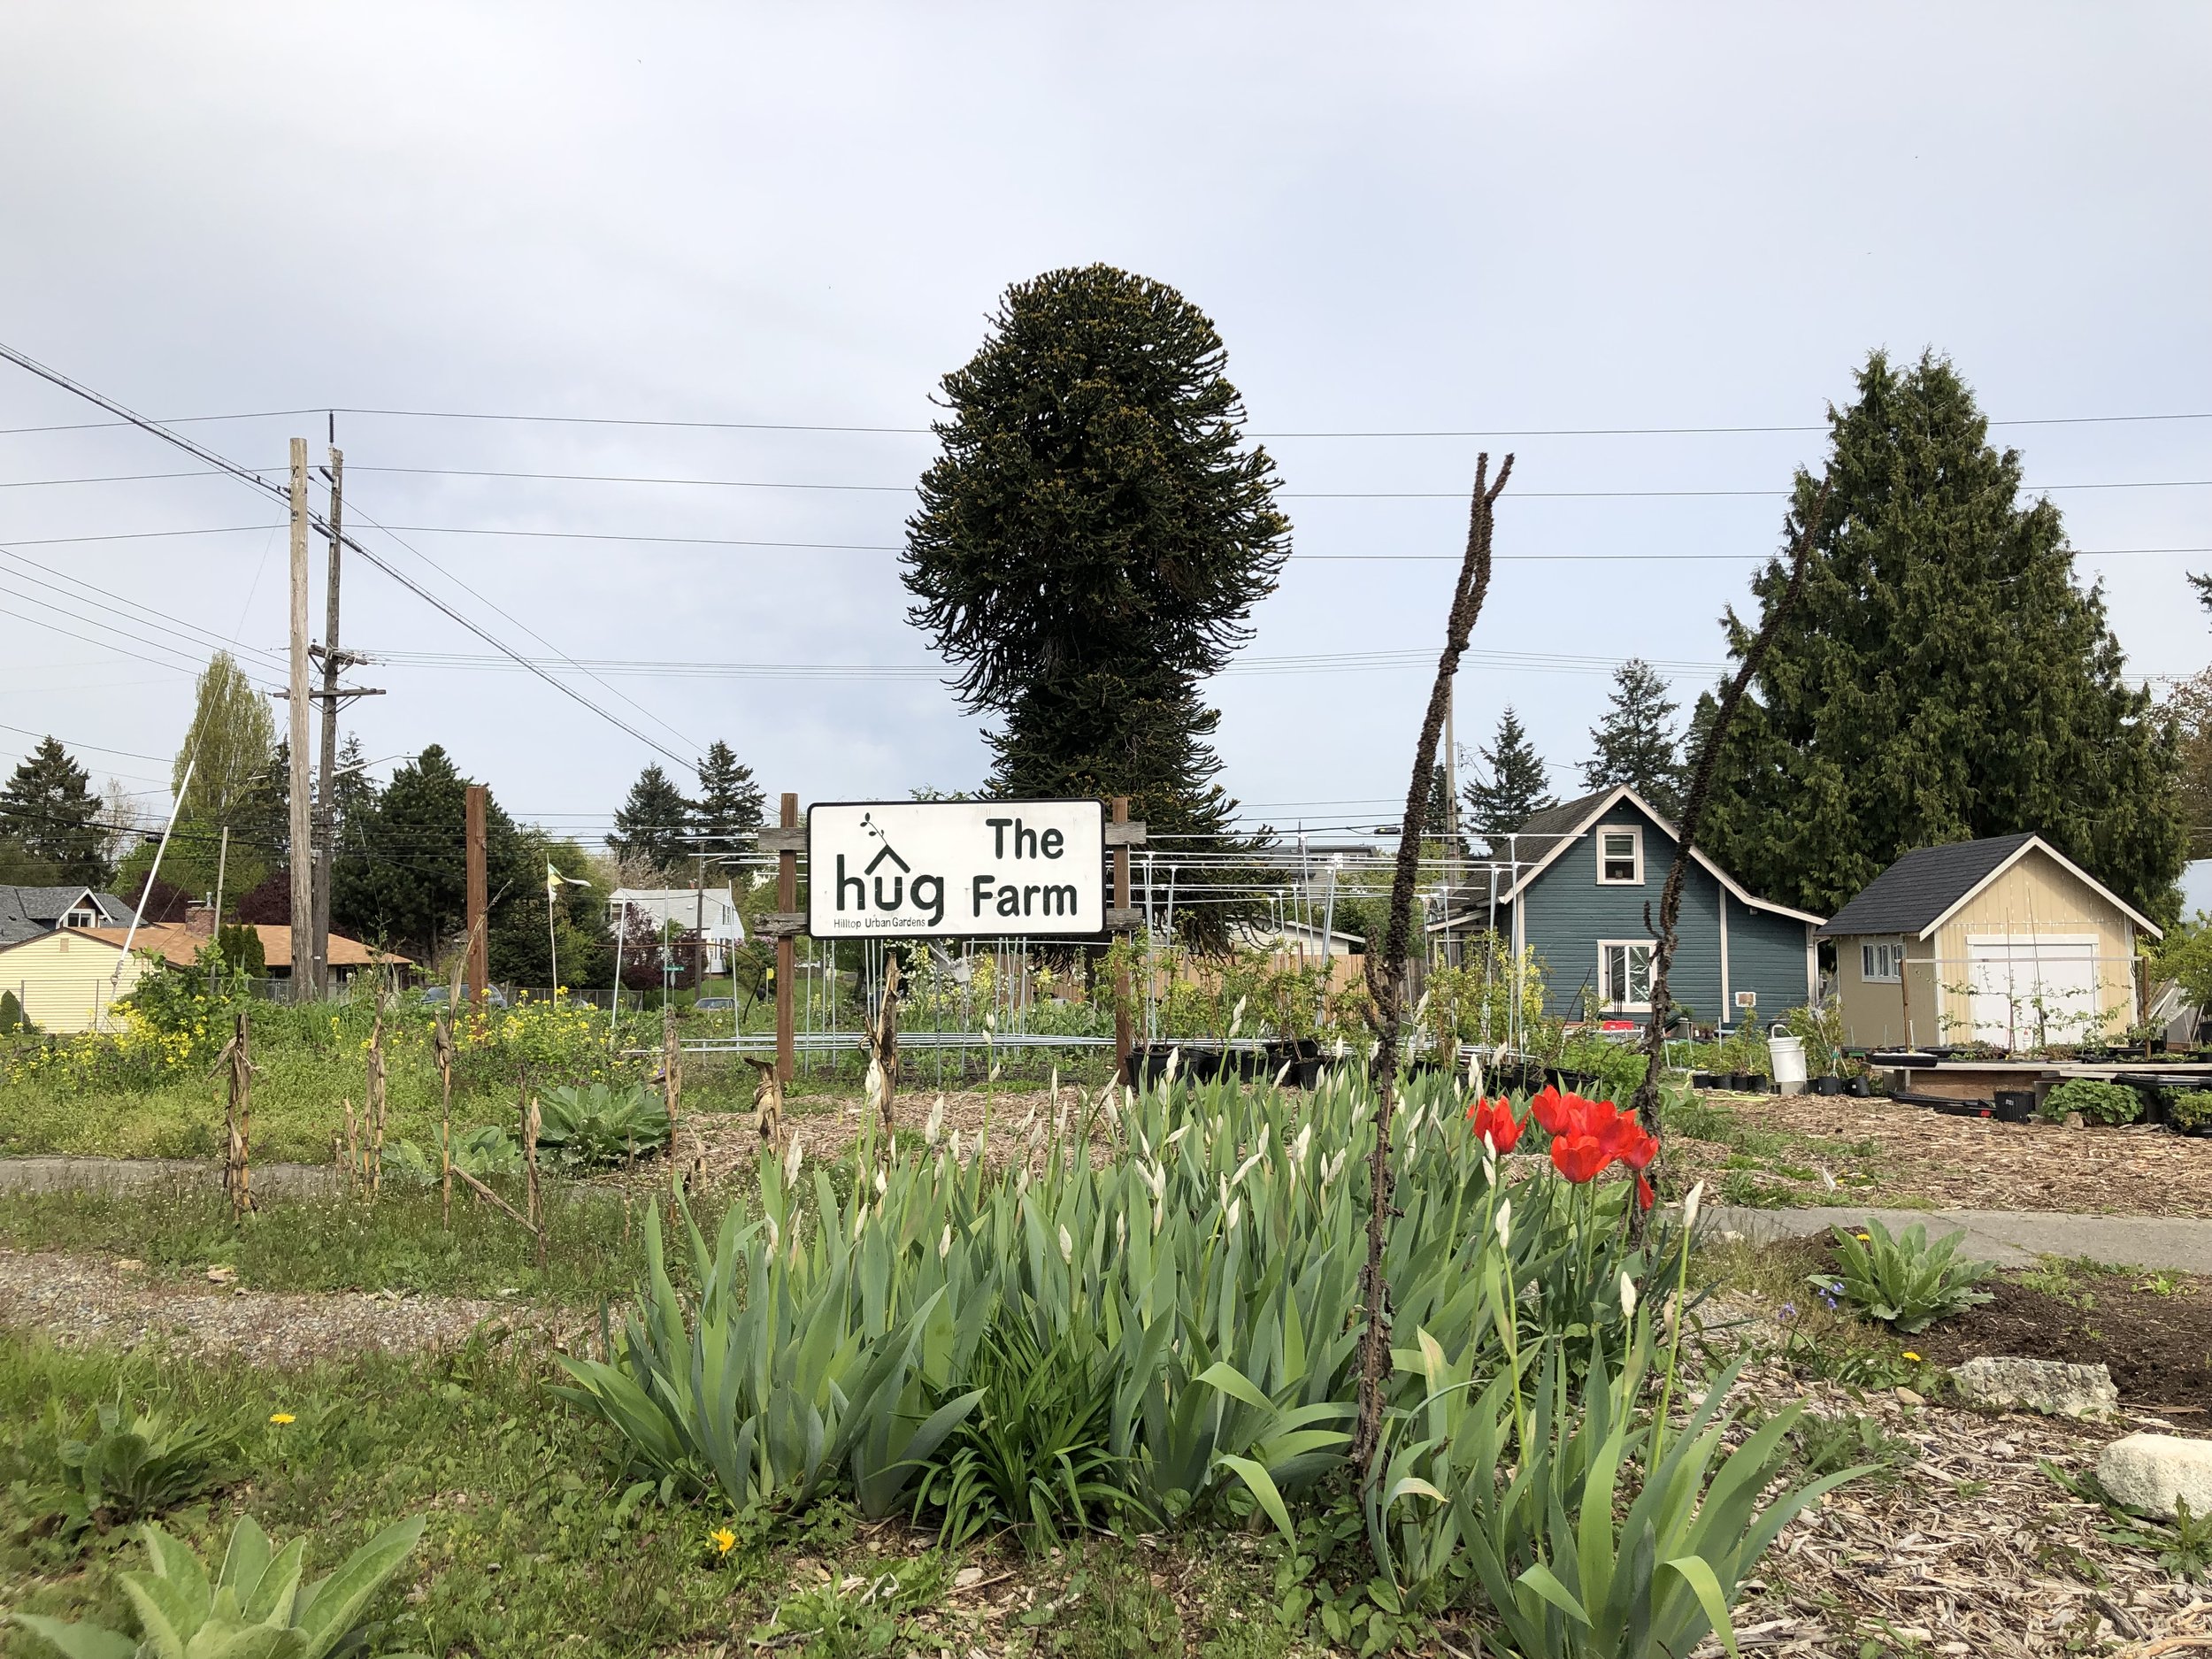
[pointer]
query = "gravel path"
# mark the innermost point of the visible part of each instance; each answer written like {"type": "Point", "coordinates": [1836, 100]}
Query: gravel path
{"type": "Point", "coordinates": [84, 1299]}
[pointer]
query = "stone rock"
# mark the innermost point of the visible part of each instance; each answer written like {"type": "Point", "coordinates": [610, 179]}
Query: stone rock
{"type": "Point", "coordinates": [2038, 1385]}
{"type": "Point", "coordinates": [2075, 1120]}
{"type": "Point", "coordinates": [1906, 1396]}
{"type": "Point", "coordinates": [2148, 1471]}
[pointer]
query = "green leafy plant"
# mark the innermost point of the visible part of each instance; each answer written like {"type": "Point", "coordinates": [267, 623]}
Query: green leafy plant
{"type": "Point", "coordinates": [1825, 1445]}
{"type": "Point", "coordinates": [2097, 1101]}
{"type": "Point", "coordinates": [2184, 1544]}
{"type": "Point", "coordinates": [594, 1123]}
{"type": "Point", "coordinates": [2190, 1109]}
{"type": "Point", "coordinates": [482, 1152]}
{"type": "Point", "coordinates": [1904, 1282]}
{"type": "Point", "coordinates": [106, 1469]}
{"type": "Point", "coordinates": [254, 1607]}
{"type": "Point", "coordinates": [852, 1617]}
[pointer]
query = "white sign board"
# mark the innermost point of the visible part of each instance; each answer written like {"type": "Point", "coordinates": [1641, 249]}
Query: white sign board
{"type": "Point", "coordinates": [955, 869]}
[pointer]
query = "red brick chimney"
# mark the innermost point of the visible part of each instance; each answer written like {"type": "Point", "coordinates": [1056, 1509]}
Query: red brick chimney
{"type": "Point", "coordinates": [199, 921]}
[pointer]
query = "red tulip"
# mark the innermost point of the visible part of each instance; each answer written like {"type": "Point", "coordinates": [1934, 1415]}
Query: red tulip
{"type": "Point", "coordinates": [1645, 1197]}
{"type": "Point", "coordinates": [1581, 1157]}
{"type": "Point", "coordinates": [1637, 1146]}
{"type": "Point", "coordinates": [1495, 1118]}
{"type": "Point", "coordinates": [1551, 1109]}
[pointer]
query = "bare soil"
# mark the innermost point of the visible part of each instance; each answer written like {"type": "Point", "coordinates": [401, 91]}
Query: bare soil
{"type": "Point", "coordinates": [2157, 1346]}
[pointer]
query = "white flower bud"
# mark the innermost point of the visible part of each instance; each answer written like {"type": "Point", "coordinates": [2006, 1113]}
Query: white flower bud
{"type": "Point", "coordinates": [1505, 1222]}
{"type": "Point", "coordinates": [1067, 1246]}
{"type": "Point", "coordinates": [1690, 1204]}
{"type": "Point", "coordinates": [944, 1242]}
{"type": "Point", "coordinates": [794, 1158]}
{"type": "Point", "coordinates": [1628, 1298]}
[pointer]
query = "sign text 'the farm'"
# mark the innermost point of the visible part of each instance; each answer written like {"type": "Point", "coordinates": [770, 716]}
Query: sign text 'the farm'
{"type": "Point", "coordinates": [955, 868]}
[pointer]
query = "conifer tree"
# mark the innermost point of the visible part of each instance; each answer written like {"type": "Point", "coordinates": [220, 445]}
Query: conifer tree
{"type": "Point", "coordinates": [1091, 539]}
{"type": "Point", "coordinates": [653, 822]}
{"type": "Point", "coordinates": [404, 876]}
{"type": "Point", "coordinates": [48, 812]}
{"type": "Point", "coordinates": [1941, 677]}
{"type": "Point", "coordinates": [1509, 784]}
{"type": "Point", "coordinates": [730, 802]}
{"type": "Point", "coordinates": [1636, 742]}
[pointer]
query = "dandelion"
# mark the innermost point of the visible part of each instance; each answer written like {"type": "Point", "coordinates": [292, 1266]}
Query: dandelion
{"type": "Point", "coordinates": [722, 1539]}
{"type": "Point", "coordinates": [282, 1417]}
{"type": "Point", "coordinates": [1914, 1357]}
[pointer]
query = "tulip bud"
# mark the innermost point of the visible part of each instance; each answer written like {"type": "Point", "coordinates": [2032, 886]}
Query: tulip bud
{"type": "Point", "coordinates": [1690, 1204]}
{"type": "Point", "coordinates": [794, 1158]}
{"type": "Point", "coordinates": [1236, 1210]}
{"type": "Point", "coordinates": [1505, 1222]}
{"type": "Point", "coordinates": [1628, 1298]}
{"type": "Point", "coordinates": [1067, 1246]}
{"type": "Point", "coordinates": [944, 1242]}
{"type": "Point", "coordinates": [934, 1129]}
{"type": "Point", "coordinates": [881, 1184]}
{"type": "Point", "coordinates": [775, 1235]}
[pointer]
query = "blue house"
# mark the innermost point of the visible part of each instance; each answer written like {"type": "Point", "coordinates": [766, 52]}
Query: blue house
{"type": "Point", "coordinates": [1572, 884]}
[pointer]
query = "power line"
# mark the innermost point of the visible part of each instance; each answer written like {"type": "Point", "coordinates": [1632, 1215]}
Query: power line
{"type": "Point", "coordinates": [213, 459]}
{"type": "Point", "coordinates": [157, 618]}
{"type": "Point", "coordinates": [96, 749]}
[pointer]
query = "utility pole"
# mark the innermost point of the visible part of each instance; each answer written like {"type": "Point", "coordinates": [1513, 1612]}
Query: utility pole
{"type": "Point", "coordinates": [301, 828]}
{"type": "Point", "coordinates": [331, 698]}
{"type": "Point", "coordinates": [786, 948]}
{"type": "Point", "coordinates": [479, 955]}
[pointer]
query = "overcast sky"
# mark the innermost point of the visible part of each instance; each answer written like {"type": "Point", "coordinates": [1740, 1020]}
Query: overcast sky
{"type": "Point", "coordinates": [1402, 219]}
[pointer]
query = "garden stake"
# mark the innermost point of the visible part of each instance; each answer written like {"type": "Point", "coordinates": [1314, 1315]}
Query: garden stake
{"type": "Point", "coordinates": [237, 1172]}
{"type": "Point", "coordinates": [883, 1049]}
{"type": "Point", "coordinates": [374, 1103]}
{"type": "Point", "coordinates": [1387, 983]}
{"type": "Point", "coordinates": [1646, 1100]}
{"type": "Point", "coordinates": [530, 1169]}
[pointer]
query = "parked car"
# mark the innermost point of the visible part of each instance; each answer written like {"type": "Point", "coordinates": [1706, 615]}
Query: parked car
{"type": "Point", "coordinates": [436, 995]}
{"type": "Point", "coordinates": [715, 1005]}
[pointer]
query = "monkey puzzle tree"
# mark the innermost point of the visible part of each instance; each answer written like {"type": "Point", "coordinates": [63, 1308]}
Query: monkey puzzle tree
{"type": "Point", "coordinates": [1091, 539]}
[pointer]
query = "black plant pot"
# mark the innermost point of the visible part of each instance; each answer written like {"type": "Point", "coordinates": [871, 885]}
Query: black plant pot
{"type": "Point", "coordinates": [1859, 1087]}
{"type": "Point", "coordinates": [1746, 1083]}
{"type": "Point", "coordinates": [2015, 1105]}
{"type": "Point", "coordinates": [1701, 1079]}
{"type": "Point", "coordinates": [1827, 1085]}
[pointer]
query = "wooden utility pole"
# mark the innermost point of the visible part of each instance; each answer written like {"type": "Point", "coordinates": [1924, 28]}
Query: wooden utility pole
{"type": "Point", "coordinates": [302, 830]}
{"type": "Point", "coordinates": [479, 956]}
{"type": "Point", "coordinates": [326, 804]}
{"type": "Point", "coordinates": [1121, 978]}
{"type": "Point", "coordinates": [786, 945]}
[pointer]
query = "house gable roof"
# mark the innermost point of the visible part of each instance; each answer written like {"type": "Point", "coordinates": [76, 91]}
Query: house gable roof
{"type": "Point", "coordinates": [1568, 822]}
{"type": "Point", "coordinates": [27, 912]}
{"type": "Point", "coordinates": [1918, 893]}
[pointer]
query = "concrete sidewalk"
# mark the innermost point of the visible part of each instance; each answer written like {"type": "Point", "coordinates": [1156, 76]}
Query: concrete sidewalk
{"type": "Point", "coordinates": [58, 1173]}
{"type": "Point", "coordinates": [2011, 1238]}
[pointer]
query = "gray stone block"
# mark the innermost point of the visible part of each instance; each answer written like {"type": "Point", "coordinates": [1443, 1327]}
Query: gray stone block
{"type": "Point", "coordinates": [2148, 1471]}
{"type": "Point", "coordinates": [2038, 1385]}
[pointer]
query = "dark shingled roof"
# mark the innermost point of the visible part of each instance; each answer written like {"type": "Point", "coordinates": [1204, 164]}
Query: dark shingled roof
{"type": "Point", "coordinates": [27, 912]}
{"type": "Point", "coordinates": [1559, 820]}
{"type": "Point", "coordinates": [1921, 886]}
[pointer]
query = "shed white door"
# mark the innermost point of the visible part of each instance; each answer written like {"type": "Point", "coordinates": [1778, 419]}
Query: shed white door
{"type": "Point", "coordinates": [2026, 990]}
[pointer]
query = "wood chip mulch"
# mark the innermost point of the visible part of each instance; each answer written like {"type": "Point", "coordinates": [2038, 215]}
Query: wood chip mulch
{"type": "Point", "coordinates": [1972, 1162]}
{"type": "Point", "coordinates": [81, 1299]}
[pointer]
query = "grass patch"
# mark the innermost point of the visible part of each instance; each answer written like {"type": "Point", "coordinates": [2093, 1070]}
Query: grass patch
{"type": "Point", "coordinates": [593, 1251]}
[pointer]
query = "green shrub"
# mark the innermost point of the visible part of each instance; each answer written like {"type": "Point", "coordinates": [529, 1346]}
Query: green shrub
{"type": "Point", "coordinates": [2097, 1101]}
{"type": "Point", "coordinates": [596, 1125]}
{"type": "Point", "coordinates": [2191, 1108]}
{"type": "Point", "coordinates": [254, 1607]}
{"type": "Point", "coordinates": [1905, 1282]}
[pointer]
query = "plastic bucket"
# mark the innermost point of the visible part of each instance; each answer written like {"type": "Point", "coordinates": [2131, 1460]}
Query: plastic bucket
{"type": "Point", "coordinates": [1786, 1056]}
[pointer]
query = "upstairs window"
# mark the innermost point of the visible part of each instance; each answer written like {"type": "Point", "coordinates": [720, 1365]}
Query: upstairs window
{"type": "Point", "coordinates": [1621, 858]}
{"type": "Point", "coordinates": [81, 919]}
{"type": "Point", "coordinates": [1883, 962]}
{"type": "Point", "coordinates": [1625, 976]}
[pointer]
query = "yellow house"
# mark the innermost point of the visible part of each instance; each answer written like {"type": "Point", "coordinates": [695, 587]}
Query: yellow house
{"type": "Point", "coordinates": [2005, 941]}
{"type": "Point", "coordinates": [68, 980]}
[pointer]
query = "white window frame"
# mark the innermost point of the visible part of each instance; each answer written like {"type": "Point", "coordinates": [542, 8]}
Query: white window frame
{"type": "Point", "coordinates": [1611, 997]}
{"type": "Point", "coordinates": [1635, 834]}
{"type": "Point", "coordinates": [85, 917]}
{"type": "Point", "coordinates": [1869, 951]}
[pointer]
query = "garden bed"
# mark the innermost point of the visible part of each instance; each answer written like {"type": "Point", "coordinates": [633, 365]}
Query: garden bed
{"type": "Point", "coordinates": [1883, 1154]}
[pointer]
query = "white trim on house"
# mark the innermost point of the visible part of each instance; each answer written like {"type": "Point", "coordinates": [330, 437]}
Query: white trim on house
{"type": "Point", "coordinates": [1635, 834]}
{"type": "Point", "coordinates": [2063, 862]}
{"type": "Point", "coordinates": [1605, 804]}
{"type": "Point", "coordinates": [1725, 1004]}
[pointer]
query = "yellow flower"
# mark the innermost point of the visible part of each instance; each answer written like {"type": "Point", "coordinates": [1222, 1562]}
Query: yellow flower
{"type": "Point", "coordinates": [282, 1417]}
{"type": "Point", "coordinates": [1864, 1238]}
{"type": "Point", "coordinates": [1914, 1357]}
{"type": "Point", "coordinates": [722, 1539]}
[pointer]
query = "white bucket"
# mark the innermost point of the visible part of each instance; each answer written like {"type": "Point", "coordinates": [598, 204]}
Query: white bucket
{"type": "Point", "coordinates": [1787, 1056]}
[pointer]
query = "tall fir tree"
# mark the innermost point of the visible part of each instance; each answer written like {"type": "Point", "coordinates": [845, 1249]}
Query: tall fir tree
{"type": "Point", "coordinates": [1941, 677]}
{"type": "Point", "coordinates": [1635, 743]}
{"type": "Point", "coordinates": [1091, 540]}
{"type": "Point", "coordinates": [1510, 783]}
{"type": "Point", "coordinates": [653, 822]}
{"type": "Point", "coordinates": [402, 876]}
{"type": "Point", "coordinates": [49, 813]}
{"type": "Point", "coordinates": [730, 804]}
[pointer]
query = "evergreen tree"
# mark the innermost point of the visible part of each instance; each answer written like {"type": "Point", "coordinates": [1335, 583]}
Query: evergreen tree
{"type": "Point", "coordinates": [730, 802]}
{"type": "Point", "coordinates": [1636, 741]}
{"type": "Point", "coordinates": [48, 812]}
{"type": "Point", "coordinates": [1091, 539]}
{"type": "Point", "coordinates": [1512, 782]}
{"type": "Point", "coordinates": [2189, 707]}
{"type": "Point", "coordinates": [404, 877]}
{"type": "Point", "coordinates": [1941, 677]}
{"type": "Point", "coordinates": [654, 823]}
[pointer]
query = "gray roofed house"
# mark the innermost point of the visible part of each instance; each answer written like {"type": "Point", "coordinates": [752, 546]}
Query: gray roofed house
{"type": "Point", "coordinates": [2005, 941]}
{"type": "Point", "coordinates": [27, 912]}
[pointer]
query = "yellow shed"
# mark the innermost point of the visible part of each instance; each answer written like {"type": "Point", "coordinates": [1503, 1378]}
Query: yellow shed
{"type": "Point", "coordinates": [66, 981]}
{"type": "Point", "coordinates": [2005, 941]}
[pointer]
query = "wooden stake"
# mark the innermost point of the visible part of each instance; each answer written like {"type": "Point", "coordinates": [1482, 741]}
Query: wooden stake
{"type": "Point", "coordinates": [237, 1156]}
{"type": "Point", "coordinates": [786, 948]}
{"type": "Point", "coordinates": [672, 1091]}
{"type": "Point", "coordinates": [1121, 976]}
{"type": "Point", "coordinates": [301, 825]}
{"type": "Point", "coordinates": [883, 1052]}
{"type": "Point", "coordinates": [374, 1104]}
{"type": "Point", "coordinates": [530, 1170]}
{"type": "Point", "coordinates": [1388, 970]}
{"type": "Point", "coordinates": [353, 1155]}
{"type": "Point", "coordinates": [767, 1102]}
